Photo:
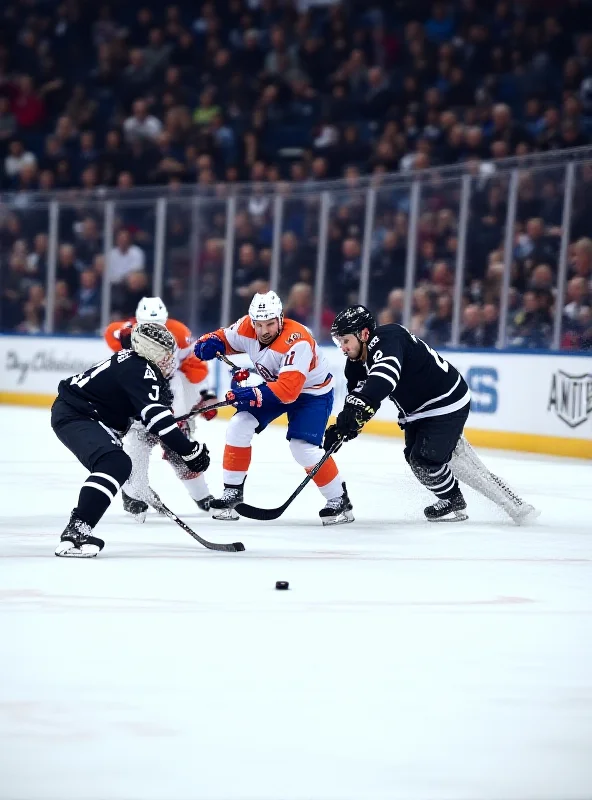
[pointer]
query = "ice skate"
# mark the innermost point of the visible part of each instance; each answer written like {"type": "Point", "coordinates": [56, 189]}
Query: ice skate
{"type": "Point", "coordinates": [77, 540]}
{"type": "Point", "coordinates": [205, 503]}
{"type": "Point", "coordinates": [137, 508]}
{"type": "Point", "coordinates": [338, 510]}
{"type": "Point", "coordinates": [451, 510]}
{"type": "Point", "coordinates": [223, 507]}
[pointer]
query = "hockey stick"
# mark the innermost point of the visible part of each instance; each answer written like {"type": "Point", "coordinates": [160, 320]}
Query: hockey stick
{"type": "Point", "coordinates": [252, 512]}
{"type": "Point", "coordinates": [194, 412]}
{"type": "Point", "coordinates": [236, 547]}
{"type": "Point", "coordinates": [228, 362]}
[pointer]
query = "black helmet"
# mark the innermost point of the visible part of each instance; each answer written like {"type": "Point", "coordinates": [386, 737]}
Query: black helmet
{"type": "Point", "coordinates": [352, 320]}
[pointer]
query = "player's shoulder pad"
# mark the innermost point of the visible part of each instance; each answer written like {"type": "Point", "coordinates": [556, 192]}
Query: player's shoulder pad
{"type": "Point", "coordinates": [244, 327]}
{"type": "Point", "coordinates": [292, 333]}
{"type": "Point", "coordinates": [180, 331]}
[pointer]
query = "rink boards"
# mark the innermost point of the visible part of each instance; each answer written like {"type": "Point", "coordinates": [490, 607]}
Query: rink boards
{"type": "Point", "coordinates": [531, 401]}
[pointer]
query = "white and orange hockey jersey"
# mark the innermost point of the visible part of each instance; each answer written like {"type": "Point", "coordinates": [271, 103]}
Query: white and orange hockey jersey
{"type": "Point", "coordinates": [193, 369]}
{"type": "Point", "coordinates": [291, 365]}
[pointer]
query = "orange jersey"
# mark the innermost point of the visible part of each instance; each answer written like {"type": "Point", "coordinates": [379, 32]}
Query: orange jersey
{"type": "Point", "coordinates": [194, 370]}
{"type": "Point", "coordinates": [291, 364]}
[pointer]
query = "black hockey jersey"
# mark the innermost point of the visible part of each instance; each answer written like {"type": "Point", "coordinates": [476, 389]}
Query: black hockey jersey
{"type": "Point", "coordinates": [123, 387]}
{"type": "Point", "coordinates": [405, 369]}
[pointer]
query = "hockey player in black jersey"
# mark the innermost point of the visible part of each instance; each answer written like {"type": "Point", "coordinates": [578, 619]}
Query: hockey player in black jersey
{"type": "Point", "coordinates": [94, 409]}
{"type": "Point", "coordinates": [433, 401]}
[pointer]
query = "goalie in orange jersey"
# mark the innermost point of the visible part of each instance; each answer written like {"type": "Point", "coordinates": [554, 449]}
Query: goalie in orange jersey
{"type": "Point", "coordinates": [188, 389]}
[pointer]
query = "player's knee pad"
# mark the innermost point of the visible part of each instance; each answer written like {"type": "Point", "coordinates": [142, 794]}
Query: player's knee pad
{"type": "Point", "coordinates": [117, 464]}
{"type": "Point", "coordinates": [305, 453]}
{"type": "Point", "coordinates": [241, 429]}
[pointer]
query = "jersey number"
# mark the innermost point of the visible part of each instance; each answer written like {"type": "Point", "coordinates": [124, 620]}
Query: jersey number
{"type": "Point", "coordinates": [437, 358]}
{"type": "Point", "coordinates": [289, 359]}
{"type": "Point", "coordinates": [82, 379]}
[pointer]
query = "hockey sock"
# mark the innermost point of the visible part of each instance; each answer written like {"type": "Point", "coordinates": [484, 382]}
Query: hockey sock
{"type": "Point", "coordinates": [438, 478]}
{"type": "Point", "coordinates": [197, 487]}
{"type": "Point", "coordinates": [102, 485]}
{"type": "Point", "coordinates": [327, 478]}
{"type": "Point", "coordinates": [235, 464]}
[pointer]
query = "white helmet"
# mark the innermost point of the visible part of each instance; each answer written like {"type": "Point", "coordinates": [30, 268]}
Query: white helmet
{"type": "Point", "coordinates": [156, 344]}
{"type": "Point", "coordinates": [152, 309]}
{"type": "Point", "coordinates": [266, 306]}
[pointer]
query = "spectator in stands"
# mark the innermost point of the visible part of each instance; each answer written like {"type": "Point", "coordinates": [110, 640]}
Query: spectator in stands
{"type": "Point", "coordinates": [438, 327]}
{"type": "Point", "coordinates": [299, 304]}
{"type": "Point", "coordinates": [578, 296]}
{"type": "Point", "coordinates": [34, 311]}
{"type": "Point", "coordinates": [490, 325]}
{"type": "Point", "coordinates": [17, 158]}
{"type": "Point", "coordinates": [393, 312]}
{"type": "Point", "coordinates": [581, 264]}
{"type": "Point", "coordinates": [27, 107]}
{"type": "Point", "coordinates": [129, 293]}
{"type": "Point", "coordinates": [68, 269]}
{"type": "Point", "coordinates": [345, 281]}
{"type": "Point", "coordinates": [531, 326]}
{"type": "Point", "coordinates": [422, 308]}
{"type": "Point", "coordinates": [63, 308]}
{"type": "Point", "coordinates": [141, 125]}
{"type": "Point", "coordinates": [472, 328]}
{"type": "Point", "coordinates": [388, 265]}
{"type": "Point", "coordinates": [89, 240]}
{"type": "Point", "coordinates": [8, 122]}
{"type": "Point", "coordinates": [542, 278]}
{"type": "Point", "coordinates": [87, 303]}
{"type": "Point", "coordinates": [124, 258]}
{"type": "Point", "coordinates": [37, 259]}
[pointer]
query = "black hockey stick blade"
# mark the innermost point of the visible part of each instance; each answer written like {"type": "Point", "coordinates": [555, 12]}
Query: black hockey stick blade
{"type": "Point", "coordinates": [266, 514]}
{"type": "Point", "coordinates": [235, 547]}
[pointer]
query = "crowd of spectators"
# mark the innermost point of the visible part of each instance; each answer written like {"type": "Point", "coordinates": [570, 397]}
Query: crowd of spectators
{"type": "Point", "coordinates": [288, 94]}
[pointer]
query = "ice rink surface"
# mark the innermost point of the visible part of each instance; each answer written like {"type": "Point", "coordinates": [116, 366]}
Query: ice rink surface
{"type": "Point", "coordinates": [408, 660]}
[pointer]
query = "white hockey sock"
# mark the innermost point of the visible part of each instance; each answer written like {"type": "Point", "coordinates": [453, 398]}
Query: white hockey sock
{"type": "Point", "coordinates": [332, 489]}
{"type": "Point", "coordinates": [197, 487]}
{"type": "Point", "coordinates": [234, 477]}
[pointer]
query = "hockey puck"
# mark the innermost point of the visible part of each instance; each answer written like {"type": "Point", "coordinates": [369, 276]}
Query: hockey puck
{"type": "Point", "coordinates": [282, 585]}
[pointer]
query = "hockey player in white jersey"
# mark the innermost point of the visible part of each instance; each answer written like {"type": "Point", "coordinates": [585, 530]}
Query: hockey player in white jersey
{"type": "Point", "coordinates": [297, 382]}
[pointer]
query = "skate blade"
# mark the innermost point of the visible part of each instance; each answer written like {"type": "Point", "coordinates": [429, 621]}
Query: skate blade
{"type": "Point", "coordinates": [226, 515]}
{"type": "Point", "coordinates": [139, 518]}
{"type": "Point", "coordinates": [67, 550]}
{"type": "Point", "coordinates": [528, 514]}
{"type": "Point", "coordinates": [455, 516]}
{"type": "Point", "coordinates": [340, 519]}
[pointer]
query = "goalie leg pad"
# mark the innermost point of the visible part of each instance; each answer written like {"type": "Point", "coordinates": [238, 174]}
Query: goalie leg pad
{"type": "Point", "coordinates": [468, 468]}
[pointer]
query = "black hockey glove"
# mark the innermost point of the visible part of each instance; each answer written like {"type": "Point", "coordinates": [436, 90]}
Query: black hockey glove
{"type": "Point", "coordinates": [355, 414]}
{"type": "Point", "coordinates": [199, 458]}
{"type": "Point", "coordinates": [332, 436]}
